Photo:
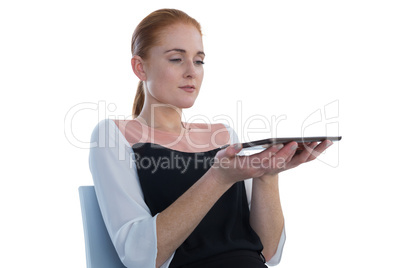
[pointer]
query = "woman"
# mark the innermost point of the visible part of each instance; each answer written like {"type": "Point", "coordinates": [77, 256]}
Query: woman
{"type": "Point", "coordinates": [170, 197]}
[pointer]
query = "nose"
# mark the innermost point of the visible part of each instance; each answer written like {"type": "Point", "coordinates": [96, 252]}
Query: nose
{"type": "Point", "coordinates": [190, 71]}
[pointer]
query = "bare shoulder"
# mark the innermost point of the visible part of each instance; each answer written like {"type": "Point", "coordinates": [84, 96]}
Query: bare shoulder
{"type": "Point", "coordinates": [126, 124]}
{"type": "Point", "coordinates": [132, 130]}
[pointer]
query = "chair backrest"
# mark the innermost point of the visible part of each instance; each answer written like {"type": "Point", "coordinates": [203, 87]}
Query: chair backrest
{"type": "Point", "coordinates": [100, 251]}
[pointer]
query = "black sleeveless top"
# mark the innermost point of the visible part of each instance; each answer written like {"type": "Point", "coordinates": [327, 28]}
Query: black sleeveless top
{"type": "Point", "coordinates": [165, 174]}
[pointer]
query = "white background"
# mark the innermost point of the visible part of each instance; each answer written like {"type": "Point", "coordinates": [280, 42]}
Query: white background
{"type": "Point", "coordinates": [271, 58]}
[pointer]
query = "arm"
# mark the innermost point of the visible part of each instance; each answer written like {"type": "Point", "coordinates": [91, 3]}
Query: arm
{"type": "Point", "coordinates": [192, 206]}
{"type": "Point", "coordinates": [265, 210]}
{"type": "Point", "coordinates": [126, 216]}
{"type": "Point", "coordinates": [266, 217]}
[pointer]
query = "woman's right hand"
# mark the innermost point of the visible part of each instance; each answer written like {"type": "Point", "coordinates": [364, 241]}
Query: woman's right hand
{"type": "Point", "coordinates": [229, 168]}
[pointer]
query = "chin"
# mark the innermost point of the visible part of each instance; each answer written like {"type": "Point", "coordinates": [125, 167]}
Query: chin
{"type": "Point", "coordinates": [184, 104]}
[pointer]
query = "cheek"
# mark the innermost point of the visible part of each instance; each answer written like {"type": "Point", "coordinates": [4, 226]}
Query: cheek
{"type": "Point", "coordinates": [159, 78]}
{"type": "Point", "coordinates": [165, 76]}
{"type": "Point", "coordinates": [201, 76]}
{"type": "Point", "coordinates": [161, 81]}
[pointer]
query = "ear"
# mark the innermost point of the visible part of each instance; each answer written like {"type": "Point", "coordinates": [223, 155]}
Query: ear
{"type": "Point", "coordinates": [137, 64]}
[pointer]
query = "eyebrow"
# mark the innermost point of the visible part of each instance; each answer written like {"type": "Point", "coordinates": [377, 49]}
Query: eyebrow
{"type": "Point", "coordinates": [183, 51]}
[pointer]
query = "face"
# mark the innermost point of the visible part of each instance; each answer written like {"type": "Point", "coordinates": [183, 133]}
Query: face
{"type": "Point", "coordinates": [174, 69]}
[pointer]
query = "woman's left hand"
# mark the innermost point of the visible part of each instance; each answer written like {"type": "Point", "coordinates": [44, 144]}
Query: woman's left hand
{"type": "Point", "coordinates": [306, 153]}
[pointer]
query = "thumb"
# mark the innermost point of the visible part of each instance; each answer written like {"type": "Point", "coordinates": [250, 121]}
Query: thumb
{"type": "Point", "coordinates": [232, 150]}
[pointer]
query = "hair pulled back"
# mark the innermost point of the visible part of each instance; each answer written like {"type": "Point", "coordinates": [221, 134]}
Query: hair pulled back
{"type": "Point", "coordinates": [147, 34]}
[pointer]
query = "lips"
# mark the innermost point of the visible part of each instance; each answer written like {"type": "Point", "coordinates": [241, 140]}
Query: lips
{"type": "Point", "coordinates": [188, 88]}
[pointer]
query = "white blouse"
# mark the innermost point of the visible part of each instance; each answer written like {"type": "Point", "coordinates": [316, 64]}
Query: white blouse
{"type": "Point", "coordinates": [128, 219]}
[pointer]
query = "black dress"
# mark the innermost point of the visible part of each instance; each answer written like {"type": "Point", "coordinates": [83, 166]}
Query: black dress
{"type": "Point", "coordinates": [224, 238]}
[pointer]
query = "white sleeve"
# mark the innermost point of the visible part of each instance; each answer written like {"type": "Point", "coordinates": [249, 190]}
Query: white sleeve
{"type": "Point", "coordinates": [128, 219]}
{"type": "Point", "coordinates": [249, 187]}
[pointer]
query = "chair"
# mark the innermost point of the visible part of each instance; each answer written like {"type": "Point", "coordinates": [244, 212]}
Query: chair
{"type": "Point", "coordinates": [100, 251]}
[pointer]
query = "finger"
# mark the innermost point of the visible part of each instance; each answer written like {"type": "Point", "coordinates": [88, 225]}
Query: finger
{"type": "Point", "coordinates": [267, 155]}
{"type": "Point", "coordinates": [282, 157]}
{"type": "Point", "coordinates": [288, 150]}
{"type": "Point", "coordinates": [232, 150]}
{"type": "Point", "coordinates": [302, 146]}
{"type": "Point", "coordinates": [319, 150]}
{"type": "Point", "coordinates": [305, 153]}
{"type": "Point", "coordinates": [272, 150]}
{"type": "Point", "coordinates": [293, 154]}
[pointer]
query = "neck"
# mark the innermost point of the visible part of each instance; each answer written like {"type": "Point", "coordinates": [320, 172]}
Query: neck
{"type": "Point", "coordinates": [164, 117]}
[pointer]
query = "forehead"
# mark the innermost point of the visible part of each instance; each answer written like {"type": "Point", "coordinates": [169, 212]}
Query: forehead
{"type": "Point", "coordinates": [181, 36]}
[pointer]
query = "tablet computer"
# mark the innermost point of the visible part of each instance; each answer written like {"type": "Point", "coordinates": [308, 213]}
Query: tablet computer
{"type": "Point", "coordinates": [299, 140]}
{"type": "Point", "coordinates": [265, 143]}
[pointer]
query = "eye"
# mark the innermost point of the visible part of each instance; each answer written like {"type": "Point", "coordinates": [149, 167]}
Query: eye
{"type": "Point", "coordinates": [199, 62]}
{"type": "Point", "coordinates": [175, 60]}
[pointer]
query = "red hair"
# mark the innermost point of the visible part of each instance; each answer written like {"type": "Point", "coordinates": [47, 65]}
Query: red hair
{"type": "Point", "coordinates": [147, 34]}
